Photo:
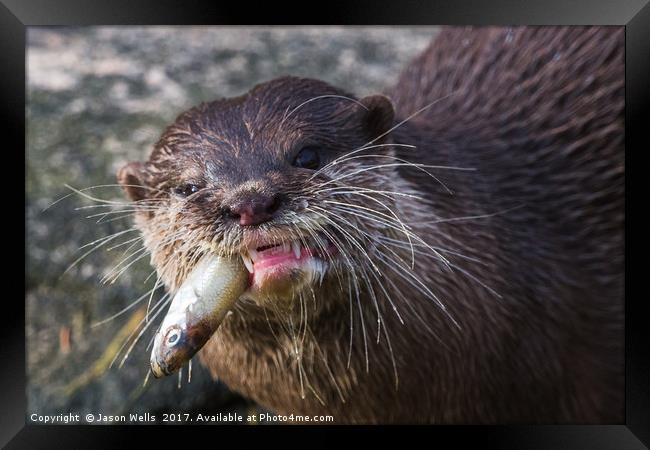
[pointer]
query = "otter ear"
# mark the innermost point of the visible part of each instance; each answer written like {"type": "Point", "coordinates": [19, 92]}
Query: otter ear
{"type": "Point", "coordinates": [379, 116]}
{"type": "Point", "coordinates": [130, 177]}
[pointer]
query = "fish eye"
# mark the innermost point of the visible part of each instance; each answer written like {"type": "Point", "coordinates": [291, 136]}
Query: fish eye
{"type": "Point", "coordinates": [187, 189]}
{"type": "Point", "coordinates": [307, 158]}
{"type": "Point", "coordinates": [173, 337]}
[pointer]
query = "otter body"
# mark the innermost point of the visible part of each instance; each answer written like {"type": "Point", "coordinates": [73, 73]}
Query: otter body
{"type": "Point", "coordinates": [478, 271]}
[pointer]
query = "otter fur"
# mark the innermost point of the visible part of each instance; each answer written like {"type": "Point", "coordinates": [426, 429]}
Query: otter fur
{"type": "Point", "coordinates": [477, 210]}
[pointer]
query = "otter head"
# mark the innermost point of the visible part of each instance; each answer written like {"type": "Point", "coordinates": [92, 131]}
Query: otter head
{"type": "Point", "coordinates": [288, 177]}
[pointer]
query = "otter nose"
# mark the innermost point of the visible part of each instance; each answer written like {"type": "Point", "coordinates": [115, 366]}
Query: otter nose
{"type": "Point", "coordinates": [254, 209]}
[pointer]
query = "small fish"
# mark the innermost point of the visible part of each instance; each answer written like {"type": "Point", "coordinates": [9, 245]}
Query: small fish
{"type": "Point", "coordinates": [196, 311]}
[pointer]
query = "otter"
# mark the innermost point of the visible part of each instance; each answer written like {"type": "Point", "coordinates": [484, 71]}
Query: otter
{"type": "Point", "coordinates": [449, 251]}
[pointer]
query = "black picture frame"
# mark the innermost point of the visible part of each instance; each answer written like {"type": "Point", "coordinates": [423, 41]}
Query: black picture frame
{"type": "Point", "coordinates": [17, 15]}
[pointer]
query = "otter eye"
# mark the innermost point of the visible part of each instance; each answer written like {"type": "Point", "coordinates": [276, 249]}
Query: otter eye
{"type": "Point", "coordinates": [307, 158]}
{"type": "Point", "coordinates": [173, 338]}
{"type": "Point", "coordinates": [185, 190]}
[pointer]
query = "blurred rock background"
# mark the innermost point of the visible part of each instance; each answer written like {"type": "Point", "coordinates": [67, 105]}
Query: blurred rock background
{"type": "Point", "coordinates": [97, 98]}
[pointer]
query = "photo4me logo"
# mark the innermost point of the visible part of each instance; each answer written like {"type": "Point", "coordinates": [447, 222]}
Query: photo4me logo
{"type": "Point", "coordinates": [295, 418]}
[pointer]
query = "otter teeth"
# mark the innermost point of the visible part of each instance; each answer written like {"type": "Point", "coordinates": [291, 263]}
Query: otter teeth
{"type": "Point", "coordinates": [295, 246]}
{"type": "Point", "coordinates": [247, 262]}
{"type": "Point", "coordinates": [249, 257]}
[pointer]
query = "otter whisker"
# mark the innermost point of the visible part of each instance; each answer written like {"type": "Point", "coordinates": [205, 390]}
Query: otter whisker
{"type": "Point", "coordinates": [344, 157]}
{"type": "Point", "coordinates": [379, 282]}
{"type": "Point", "coordinates": [327, 367]}
{"type": "Point", "coordinates": [319, 244]}
{"type": "Point", "coordinates": [418, 166]}
{"type": "Point", "coordinates": [150, 343]}
{"type": "Point", "coordinates": [389, 296]}
{"type": "Point", "coordinates": [421, 167]}
{"type": "Point", "coordinates": [160, 306]}
{"type": "Point", "coordinates": [103, 241]}
{"type": "Point", "coordinates": [84, 189]}
{"type": "Point", "coordinates": [95, 199]}
{"type": "Point", "coordinates": [296, 350]}
{"type": "Point", "coordinates": [392, 357]}
{"type": "Point", "coordinates": [352, 275]}
{"type": "Point", "coordinates": [396, 228]}
{"type": "Point", "coordinates": [302, 328]}
{"type": "Point", "coordinates": [404, 245]}
{"type": "Point", "coordinates": [469, 274]}
{"type": "Point", "coordinates": [344, 97]}
{"type": "Point", "coordinates": [412, 116]}
{"type": "Point", "coordinates": [391, 216]}
{"type": "Point", "coordinates": [338, 245]}
{"type": "Point", "coordinates": [135, 239]}
{"type": "Point", "coordinates": [414, 281]}
{"type": "Point", "coordinates": [297, 354]}
{"type": "Point", "coordinates": [124, 213]}
{"type": "Point", "coordinates": [114, 219]}
{"type": "Point", "coordinates": [403, 226]}
{"type": "Point", "coordinates": [346, 189]}
{"type": "Point", "coordinates": [151, 202]}
{"type": "Point", "coordinates": [146, 378]}
{"type": "Point", "coordinates": [365, 277]}
{"type": "Point", "coordinates": [363, 327]}
{"type": "Point", "coordinates": [417, 315]}
{"type": "Point", "coordinates": [120, 205]}
{"type": "Point", "coordinates": [379, 325]}
{"type": "Point", "coordinates": [278, 339]}
{"type": "Point", "coordinates": [460, 269]}
{"type": "Point", "coordinates": [423, 288]}
{"type": "Point", "coordinates": [114, 274]}
{"type": "Point", "coordinates": [373, 297]}
{"type": "Point", "coordinates": [367, 213]}
{"type": "Point", "coordinates": [157, 284]}
{"type": "Point", "coordinates": [164, 300]}
{"type": "Point", "coordinates": [352, 240]}
{"type": "Point", "coordinates": [150, 275]}
{"type": "Point", "coordinates": [108, 238]}
{"type": "Point", "coordinates": [125, 309]}
{"type": "Point", "coordinates": [473, 217]}
{"type": "Point", "coordinates": [313, 298]}
{"type": "Point", "coordinates": [351, 323]}
{"type": "Point", "coordinates": [436, 256]}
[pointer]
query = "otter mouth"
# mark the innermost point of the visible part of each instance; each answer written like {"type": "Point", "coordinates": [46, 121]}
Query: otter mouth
{"type": "Point", "coordinates": [276, 267]}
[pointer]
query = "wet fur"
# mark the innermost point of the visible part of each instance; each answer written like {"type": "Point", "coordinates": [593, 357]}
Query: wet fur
{"type": "Point", "coordinates": [532, 325]}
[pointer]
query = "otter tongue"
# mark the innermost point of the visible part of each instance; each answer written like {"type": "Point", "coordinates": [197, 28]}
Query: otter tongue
{"type": "Point", "coordinates": [272, 260]}
{"type": "Point", "coordinates": [277, 255]}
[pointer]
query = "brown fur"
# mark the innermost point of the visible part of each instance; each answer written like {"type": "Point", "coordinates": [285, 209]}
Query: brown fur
{"type": "Point", "coordinates": [533, 326]}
